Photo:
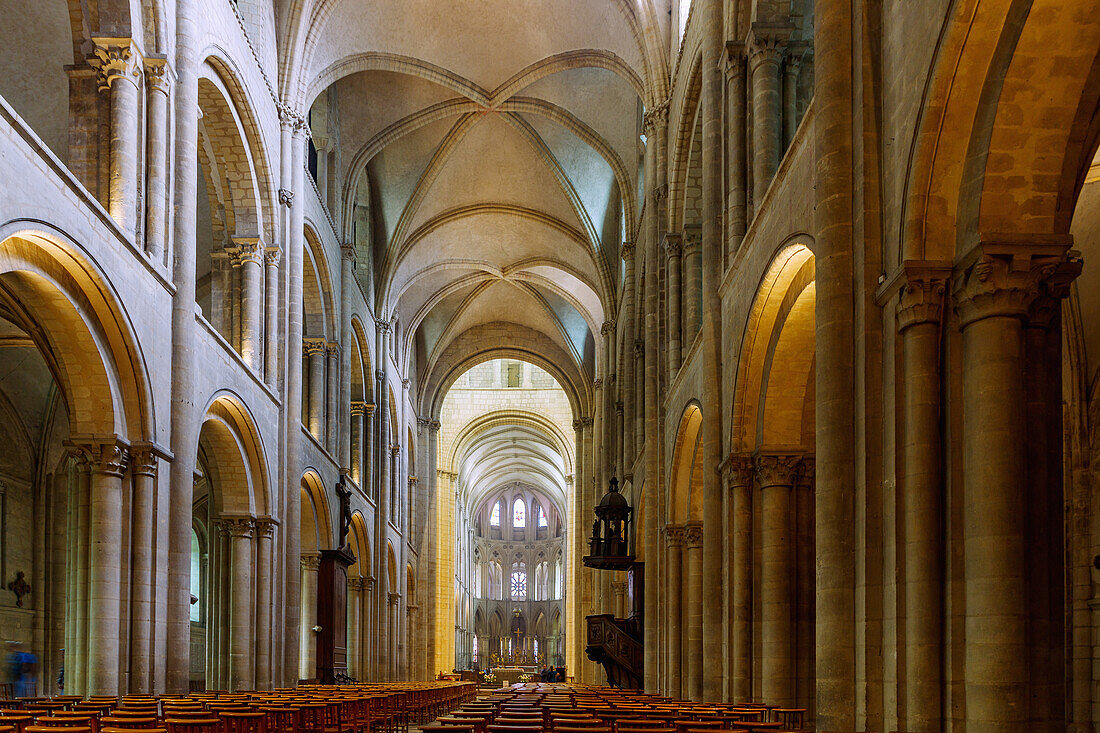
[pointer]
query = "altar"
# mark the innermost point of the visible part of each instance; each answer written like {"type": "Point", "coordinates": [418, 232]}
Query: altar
{"type": "Point", "coordinates": [507, 676]}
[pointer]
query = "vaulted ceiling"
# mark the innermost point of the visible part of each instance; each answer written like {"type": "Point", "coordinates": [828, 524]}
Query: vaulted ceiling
{"type": "Point", "coordinates": [500, 145]}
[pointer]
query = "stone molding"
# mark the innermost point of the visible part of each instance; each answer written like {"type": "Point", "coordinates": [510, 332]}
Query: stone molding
{"type": "Point", "coordinates": [382, 326]}
{"type": "Point", "coordinates": [313, 346]}
{"type": "Point", "coordinates": [656, 118]}
{"type": "Point", "coordinates": [639, 348]}
{"type": "Point", "coordinates": [272, 256]}
{"type": "Point", "coordinates": [693, 535]}
{"type": "Point", "coordinates": [311, 562]}
{"type": "Point", "coordinates": [107, 456]}
{"type": "Point", "coordinates": [395, 449]}
{"type": "Point", "coordinates": [626, 251]}
{"type": "Point", "coordinates": [357, 584]}
{"type": "Point", "coordinates": [380, 375]}
{"type": "Point", "coordinates": [393, 598]}
{"type": "Point", "coordinates": [777, 469]}
{"type": "Point", "coordinates": [358, 409]}
{"type": "Point", "coordinates": [607, 327]}
{"type": "Point", "coordinates": [332, 349]}
{"type": "Point", "coordinates": [597, 383]}
{"type": "Point", "coordinates": [286, 197]}
{"type": "Point", "coordinates": [413, 482]}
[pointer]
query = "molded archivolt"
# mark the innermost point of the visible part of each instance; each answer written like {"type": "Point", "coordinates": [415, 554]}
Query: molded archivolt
{"type": "Point", "coordinates": [316, 518]}
{"type": "Point", "coordinates": [82, 331]}
{"type": "Point", "coordinates": [1021, 170]}
{"type": "Point", "coordinates": [235, 458]}
{"type": "Point", "coordinates": [775, 363]}
{"type": "Point", "coordinates": [685, 500]}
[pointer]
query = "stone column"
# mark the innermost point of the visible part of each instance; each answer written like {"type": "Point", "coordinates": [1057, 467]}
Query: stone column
{"type": "Point", "coordinates": [158, 78]}
{"type": "Point", "coordinates": [119, 73]}
{"type": "Point", "coordinates": [252, 300]}
{"type": "Point", "coordinates": [791, 69]}
{"type": "Point", "coordinates": [315, 354]}
{"type": "Point", "coordinates": [736, 201]}
{"type": "Point", "coordinates": [366, 464]}
{"type": "Point", "coordinates": [656, 129]}
{"type": "Point", "coordinates": [626, 370]}
{"type": "Point", "coordinates": [271, 315]}
{"type": "Point", "coordinates": [835, 381]}
{"type": "Point", "coordinates": [332, 393]}
{"type": "Point", "coordinates": [672, 251]}
{"type": "Point", "coordinates": [618, 589]}
{"type": "Point", "coordinates": [693, 611]}
{"type": "Point", "coordinates": [108, 462]}
{"type": "Point", "coordinates": [919, 315]}
{"type": "Point", "coordinates": [776, 476]}
{"type": "Point", "coordinates": [144, 473]}
{"type": "Point", "coordinates": [711, 445]}
{"type": "Point", "coordinates": [241, 615]}
{"type": "Point", "coordinates": [235, 312]}
{"type": "Point", "coordinates": [765, 45]}
{"type": "Point", "coordinates": [311, 564]}
{"type": "Point", "coordinates": [674, 537]}
{"type": "Point", "coordinates": [265, 540]}
{"type": "Point", "coordinates": [347, 338]}
{"type": "Point", "coordinates": [739, 472]}
{"type": "Point", "coordinates": [355, 587]}
{"type": "Point", "coordinates": [357, 411]}
{"type": "Point", "coordinates": [992, 296]}
{"type": "Point", "coordinates": [293, 142]}
{"type": "Point", "coordinates": [639, 398]}
{"type": "Point", "coordinates": [692, 288]}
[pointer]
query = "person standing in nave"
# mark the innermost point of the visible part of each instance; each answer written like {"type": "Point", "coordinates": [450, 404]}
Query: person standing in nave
{"type": "Point", "coordinates": [22, 670]}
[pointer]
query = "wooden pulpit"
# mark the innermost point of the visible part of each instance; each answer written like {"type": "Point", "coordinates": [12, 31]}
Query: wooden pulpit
{"type": "Point", "coordinates": [332, 614]}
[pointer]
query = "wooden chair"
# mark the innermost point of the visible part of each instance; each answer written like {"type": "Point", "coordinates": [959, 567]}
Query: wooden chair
{"type": "Point", "coordinates": [68, 719]}
{"type": "Point", "coordinates": [16, 719]}
{"type": "Point", "coordinates": [126, 723]}
{"type": "Point", "coordinates": [205, 724]}
{"type": "Point", "coordinates": [242, 721]}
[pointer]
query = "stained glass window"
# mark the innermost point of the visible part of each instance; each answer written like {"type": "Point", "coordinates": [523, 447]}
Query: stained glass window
{"type": "Point", "coordinates": [519, 585]}
{"type": "Point", "coordinates": [474, 640]}
{"type": "Point", "coordinates": [494, 517]}
{"type": "Point", "coordinates": [519, 514]}
{"type": "Point", "coordinates": [542, 517]}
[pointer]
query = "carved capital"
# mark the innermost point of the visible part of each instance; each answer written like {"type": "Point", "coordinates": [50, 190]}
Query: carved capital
{"type": "Point", "coordinates": [395, 450]}
{"type": "Point", "coordinates": [382, 326]}
{"type": "Point", "coordinates": [673, 245]}
{"type": "Point", "coordinates": [422, 423]}
{"type": "Point", "coordinates": [108, 457]}
{"type": "Point", "coordinates": [347, 252]}
{"type": "Point", "coordinates": [249, 249]}
{"type": "Point", "coordinates": [692, 237]}
{"type": "Point", "coordinates": [767, 43]}
{"type": "Point", "coordinates": [413, 482]}
{"type": "Point", "coordinates": [406, 383]}
{"type": "Point", "coordinates": [286, 197]}
{"type": "Point", "coordinates": [368, 409]}
{"type": "Point", "coordinates": [1000, 285]}
{"type": "Point", "coordinates": [674, 535]}
{"type": "Point", "coordinates": [807, 474]}
{"type": "Point", "coordinates": [639, 348]}
{"type": "Point", "coordinates": [357, 584]}
{"type": "Point", "coordinates": [736, 55]}
{"type": "Point", "coordinates": [358, 408]}
{"type": "Point", "coordinates": [157, 75]}
{"type": "Point", "coordinates": [693, 535]}
{"type": "Point", "coordinates": [114, 59]}
{"type": "Point", "coordinates": [143, 460]}
{"type": "Point", "coordinates": [738, 470]}
{"type": "Point", "coordinates": [311, 563]}
{"type": "Point", "coordinates": [435, 425]}
{"type": "Point", "coordinates": [272, 256]}
{"type": "Point", "coordinates": [597, 383]}
{"type": "Point", "coordinates": [608, 327]}
{"type": "Point", "coordinates": [393, 598]}
{"type": "Point", "coordinates": [265, 528]}
{"type": "Point", "coordinates": [332, 349]}
{"type": "Point", "coordinates": [777, 469]}
{"type": "Point", "coordinates": [656, 118]}
{"type": "Point", "coordinates": [626, 251]}
{"type": "Point", "coordinates": [238, 527]}
{"type": "Point", "coordinates": [660, 194]}
{"type": "Point", "coordinates": [922, 291]}
{"type": "Point", "coordinates": [312, 347]}
{"type": "Point", "coordinates": [380, 375]}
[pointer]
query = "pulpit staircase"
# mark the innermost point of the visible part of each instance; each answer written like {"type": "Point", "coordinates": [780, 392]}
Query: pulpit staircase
{"type": "Point", "coordinates": [616, 644]}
